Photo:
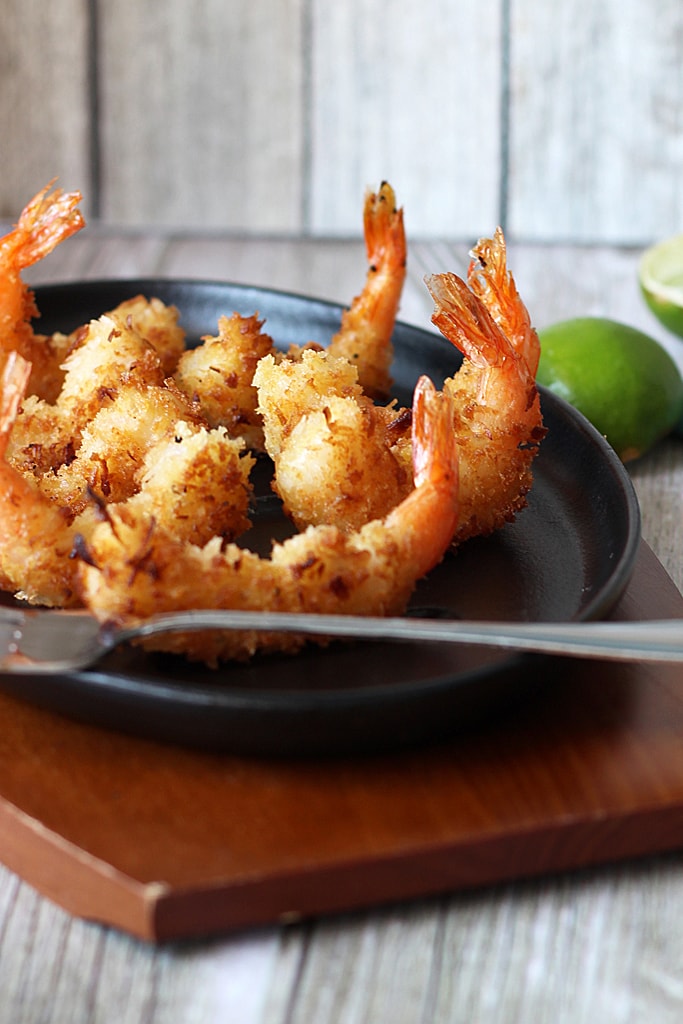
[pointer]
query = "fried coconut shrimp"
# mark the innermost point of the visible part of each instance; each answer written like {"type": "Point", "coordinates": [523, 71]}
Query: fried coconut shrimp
{"type": "Point", "coordinates": [114, 445]}
{"type": "Point", "coordinates": [360, 464]}
{"type": "Point", "coordinates": [26, 516]}
{"type": "Point", "coordinates": [338, 458]}
{"type": "Point", "coordinates": [185, 476]}
{"type": "Point", "coordinates": [194, 481]}
{"type": "Point", "coordinates": [135, 568]}
{"type": "Point", "coordinates": [124, 469]}
{"type": "Point", "coordinates": [366, 328]}
{"type": "Point", "coordinates": [218, 375]}
{"type": "Point", "coordinates": [498, 422]}
{"type": "Point", "coordinates": [111, 357]}
{"type": "Point", "coordinates": [48, 219]}
{"type": "Point", "coordinates": [157, 323]}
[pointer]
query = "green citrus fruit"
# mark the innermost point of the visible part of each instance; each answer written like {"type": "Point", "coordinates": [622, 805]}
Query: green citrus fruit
{"type": "Point", "coordinates": [660, 273]}
{"type": "Point", "coordinates": [621, 379]}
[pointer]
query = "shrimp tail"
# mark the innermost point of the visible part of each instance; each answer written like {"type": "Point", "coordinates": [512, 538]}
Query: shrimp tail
{"type": "Point", "coordinates": [435, 451]}
{"type": "Point", "coordinates": [465, 321]}
{"type": "Point", "coordinates": [428, 518]}
{"type": "Point", "coordinates": [367, 325]}
{"type": "Point", "coordinates": [385, 240]}
{"type": "Point", "coordinates": [491, 281]}
{"type": "Point", "coordinates": [45, 221]}
{"type": "Point", "coordinates": [15, 375]}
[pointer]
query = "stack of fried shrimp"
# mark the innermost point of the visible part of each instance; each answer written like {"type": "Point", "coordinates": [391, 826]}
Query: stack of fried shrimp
{"type": "Point", "coordinates": [126, 456]}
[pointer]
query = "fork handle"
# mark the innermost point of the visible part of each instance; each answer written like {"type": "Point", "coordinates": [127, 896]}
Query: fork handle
{"type": "Point", "coordinates": [657, 640]}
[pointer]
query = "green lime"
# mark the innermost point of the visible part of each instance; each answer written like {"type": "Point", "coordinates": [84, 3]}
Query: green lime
{"type": "Point", "coordinates": [660, 274]}
{"type": "Point", "coordinates": [621, 379]}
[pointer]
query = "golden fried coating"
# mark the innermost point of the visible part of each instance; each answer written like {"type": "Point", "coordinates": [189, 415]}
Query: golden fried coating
{"type": "Point", "coordinates": [287, 388]}
{"type": "Point", "coordinates": [218, 376]}
{"type": "Point", "coordinates": [135, 568]}
{"type": "Point", "coordinates": [158, 324]}
{"type": "Point", "coordinates": [114, 445]}
{"type": "Point", "coordinates": [110, 357]}
{"type": "Point", "coordinates": [335, 459]}
{"type": "Point", "coordinates": [195, 484]}
{"type": "Point", "coordinates": [35, 539]}
{"type": "Point", "coordinates": [186, 477]}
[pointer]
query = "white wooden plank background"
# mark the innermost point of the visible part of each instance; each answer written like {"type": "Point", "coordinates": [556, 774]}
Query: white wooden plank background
{"type": "Point", "coordinates": [411, 93]}
{"type": "Point", "coordinates": [201, 113]}
{"type": "Point", "coordinates": [561, 121]}
{"type": "Point", "coordinates": [596, 122]}
{"type": "Point", "coordinates": [44, 99]}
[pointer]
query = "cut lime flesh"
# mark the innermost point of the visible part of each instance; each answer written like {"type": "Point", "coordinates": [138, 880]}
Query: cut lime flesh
{"type": "Point", "coordinates": [660, 274]}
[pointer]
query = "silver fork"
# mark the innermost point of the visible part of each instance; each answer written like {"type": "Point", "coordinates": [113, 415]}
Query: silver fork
{"type": "Point", "coordinates": [62, 641]}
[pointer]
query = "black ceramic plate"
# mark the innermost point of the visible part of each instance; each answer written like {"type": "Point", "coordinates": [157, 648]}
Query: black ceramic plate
{"type": "Point", "coordinates": [569, 555]}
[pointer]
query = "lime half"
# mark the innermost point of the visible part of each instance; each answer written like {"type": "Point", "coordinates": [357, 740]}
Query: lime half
{"type": "Point", "coordinates": [621, 379]}
{"type": "Point", "coordinates": [660, 274]}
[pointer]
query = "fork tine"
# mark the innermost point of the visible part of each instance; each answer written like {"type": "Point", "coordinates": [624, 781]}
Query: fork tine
{"type": "Point", "coordinates": [46, 640]}
{"type": "Point", "coordinates": [11, 616]}
{"type": "Point", "coordinates": [11, 622]}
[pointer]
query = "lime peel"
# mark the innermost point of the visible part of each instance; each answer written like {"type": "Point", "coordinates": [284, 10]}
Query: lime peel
{"type": "Point", "coordinates": [620, 378]}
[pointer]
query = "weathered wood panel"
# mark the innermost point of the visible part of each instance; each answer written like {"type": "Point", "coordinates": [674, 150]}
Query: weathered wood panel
{"type": "Point", "coordinates": [410, 93]}
{"type": "Point", "coordinates": [200, 113]}
{"type": "Point", "coordinates": [44, 99]}
{"type": "Point", "coordinates": [596, 116]}
{"type": "Point", "coordinates": [563, 122]}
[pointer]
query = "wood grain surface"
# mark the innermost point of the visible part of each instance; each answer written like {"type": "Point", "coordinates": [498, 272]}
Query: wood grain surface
{"type": "Point", "coordinates": [601, 943]}
{"type": "Point", "coordinates": [562, 122]}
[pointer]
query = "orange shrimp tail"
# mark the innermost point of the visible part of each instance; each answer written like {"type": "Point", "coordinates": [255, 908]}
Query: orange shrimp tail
{"type": "Point", "coordinates": [464, 320]}
{"type": "Point", "coordinates": [367, 326]}
{"type": "Point", "coordinates": [435, 451]}
{"type": "Point", "coordinates": [45, 221]}
{"type": "Point", "coordinates": [383, 228]}
{"type": "Point", "coordinates": [15, 377]}
{"type": "Point", "coordinates": [431, 511]}
{"type": "Point", "coordinates": [491, 281]}
{"type": "Point", "coordinates": [427, 519]}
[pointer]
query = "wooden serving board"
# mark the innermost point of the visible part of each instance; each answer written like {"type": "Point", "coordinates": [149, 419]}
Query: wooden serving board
{"type": "Point", "coordinates": [166, 843]}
